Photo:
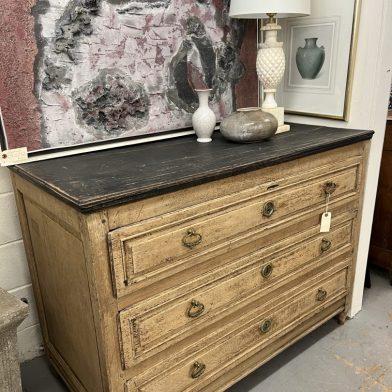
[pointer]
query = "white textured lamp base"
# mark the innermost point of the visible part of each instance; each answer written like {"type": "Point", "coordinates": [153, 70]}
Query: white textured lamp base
{"type": "Point", "coordinates": [279, 114]}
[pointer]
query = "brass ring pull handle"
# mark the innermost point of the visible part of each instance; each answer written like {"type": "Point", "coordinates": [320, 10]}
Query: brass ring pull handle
{"type": "Point", "coordinates": [195, 309]}
{"type": "Point", "coordinates": [325, 245]}
{"type": "Point", "coordinates": [197, 369]}
{"type": "Point", "coordinates": [266, 270]}
{"type": "Point", "coordinates": [192, 239]}
{"type": "Point", "coordinates": [268, 209]}
{"type": "Point", "coordinates": [321, 295]}
{"type": "Point", "coordinates": [329, 187]}
{"type": "Point", "coordinates": [266, 326]}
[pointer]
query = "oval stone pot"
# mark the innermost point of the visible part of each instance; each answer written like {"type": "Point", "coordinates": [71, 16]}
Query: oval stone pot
{"type": "Point", "coordinates": [310, 59]}
{"type": "Point", "coordinates": [248, 125]}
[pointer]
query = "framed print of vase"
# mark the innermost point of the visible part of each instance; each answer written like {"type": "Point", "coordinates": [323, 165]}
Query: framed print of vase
{"type": "Point", "coordinates": [320, 54]}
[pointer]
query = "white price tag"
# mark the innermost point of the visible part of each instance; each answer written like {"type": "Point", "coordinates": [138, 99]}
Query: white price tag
{"type": "Point", "coordinates": [13, 157]}
{"type": "Point", "coordinates": [326, 219]}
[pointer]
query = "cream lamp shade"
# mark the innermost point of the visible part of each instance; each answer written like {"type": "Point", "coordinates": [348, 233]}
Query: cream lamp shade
{"type": "Point", "coordinates": [258, 9]}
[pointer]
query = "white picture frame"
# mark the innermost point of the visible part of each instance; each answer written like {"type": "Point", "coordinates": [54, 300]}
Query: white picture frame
{"type": "Point", "coordinates": [320, 56]}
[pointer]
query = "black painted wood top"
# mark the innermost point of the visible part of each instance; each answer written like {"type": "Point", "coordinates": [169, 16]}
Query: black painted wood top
{"type": "Point", "coordinates": [97, 180]}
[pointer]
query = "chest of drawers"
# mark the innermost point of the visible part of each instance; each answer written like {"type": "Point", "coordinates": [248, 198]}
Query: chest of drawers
{"type": "Point", "coordinates": [179, 267]}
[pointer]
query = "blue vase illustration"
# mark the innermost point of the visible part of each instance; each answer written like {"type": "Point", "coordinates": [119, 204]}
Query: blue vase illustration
{"type": "Point", "coordinates": [310, 59]}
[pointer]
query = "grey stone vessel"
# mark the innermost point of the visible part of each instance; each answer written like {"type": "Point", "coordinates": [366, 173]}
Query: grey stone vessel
{"type": "Point", "coordinates": [12, 313]}
{"type": "Point", "coordinates": [249, 125]}
{"type": "Point", "coordinates": [310, 59]}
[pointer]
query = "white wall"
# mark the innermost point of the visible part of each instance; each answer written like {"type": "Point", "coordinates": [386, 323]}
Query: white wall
{"type": "Point", "coordinates": [14, 274]}
{"type": "Point", "coordinates": [372, 81]}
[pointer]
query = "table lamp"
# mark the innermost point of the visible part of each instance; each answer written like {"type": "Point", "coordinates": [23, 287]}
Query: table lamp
{"type": "Point", "coordinates": [271, 62]}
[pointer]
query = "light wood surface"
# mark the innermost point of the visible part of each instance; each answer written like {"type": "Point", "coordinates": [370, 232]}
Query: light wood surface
{"type": "Point", "coordinates": [247, 338]}
{"type": "Point", "coordinates": [61, 267]}
{"type": "Point", "coordinates": [127, 305]}
{"type": "Point", "coordinates": [145, 329]}
{"type": "Point", "coordinates": [147, 250]}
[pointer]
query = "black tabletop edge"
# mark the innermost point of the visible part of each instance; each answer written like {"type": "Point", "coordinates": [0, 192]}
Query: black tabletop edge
{"type": "Point", "coordinates": [91, 204]}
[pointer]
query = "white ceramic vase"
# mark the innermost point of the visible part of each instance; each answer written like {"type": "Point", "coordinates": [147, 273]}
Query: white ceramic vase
{"type": "Point", "coordinates": [204, 119]}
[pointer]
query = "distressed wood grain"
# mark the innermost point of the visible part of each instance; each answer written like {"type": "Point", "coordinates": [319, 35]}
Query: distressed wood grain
{"type": "Point", "coordinates": [133, 331]}
{"type": "Point", "coordinates": [154, 249]}
{"type": "Point", "coordinates": [247, 338]}
{"type": "Point", "coordinates": [158, 328]}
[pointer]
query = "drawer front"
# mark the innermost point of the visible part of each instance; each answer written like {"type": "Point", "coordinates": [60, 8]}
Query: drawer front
{"type": "Point", "coordinates": [207, 196]}
{"type": "Point", "coordinates": [146, 332]}
{"type": "Point", "coordinates": [191, 373]}
{"type": "Point", "coordinates": [143, 250]}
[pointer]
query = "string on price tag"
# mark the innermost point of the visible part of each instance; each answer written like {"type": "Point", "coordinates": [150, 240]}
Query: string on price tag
{"type": "Point", "coordinates": [326, 216]}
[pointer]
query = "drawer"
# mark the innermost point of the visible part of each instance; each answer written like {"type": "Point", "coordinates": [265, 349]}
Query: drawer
{"type": "Point", "coordinates": [143, 251]}
{"type": "Point", "coordinates": [269, 239]}
{"type": "Point", "coordinates": [147, 329]}
{"type": "Point", "coordinates": [209, 362]}
{"type": "Point", "coordinates": [213, 194]}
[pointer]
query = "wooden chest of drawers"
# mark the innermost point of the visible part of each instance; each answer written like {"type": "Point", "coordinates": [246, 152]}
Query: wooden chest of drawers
{"type": "Point", "coordinates": [190, 280]}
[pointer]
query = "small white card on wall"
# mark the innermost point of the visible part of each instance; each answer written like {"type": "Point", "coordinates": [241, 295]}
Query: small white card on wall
{"type": "Point", "coordinates": [326, 219]}
{"type": "Point", "coordinates": [13, 157]}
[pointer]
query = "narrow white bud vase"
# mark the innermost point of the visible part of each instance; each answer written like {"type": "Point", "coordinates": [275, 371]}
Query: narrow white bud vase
{"type": "Point", "coordinates": [204, 119]}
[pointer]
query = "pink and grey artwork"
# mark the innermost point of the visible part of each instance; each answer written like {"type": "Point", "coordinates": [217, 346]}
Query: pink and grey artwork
{"type": "Point", "coordinates": [95, 70]}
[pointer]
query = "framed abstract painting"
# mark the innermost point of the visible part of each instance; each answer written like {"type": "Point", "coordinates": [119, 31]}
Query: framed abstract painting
{"type": "Point", "coordinates": [96, 72]}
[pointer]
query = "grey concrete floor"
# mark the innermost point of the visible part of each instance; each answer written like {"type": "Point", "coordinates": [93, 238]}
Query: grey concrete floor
{"type": "Point", "coordinates": [354, 357]}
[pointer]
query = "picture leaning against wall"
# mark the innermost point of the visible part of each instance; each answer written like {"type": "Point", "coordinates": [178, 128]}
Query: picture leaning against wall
{"type": "Point", "coordinates": [320, 56]}
{"type": "Point", "coordinates": [103, 70]}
